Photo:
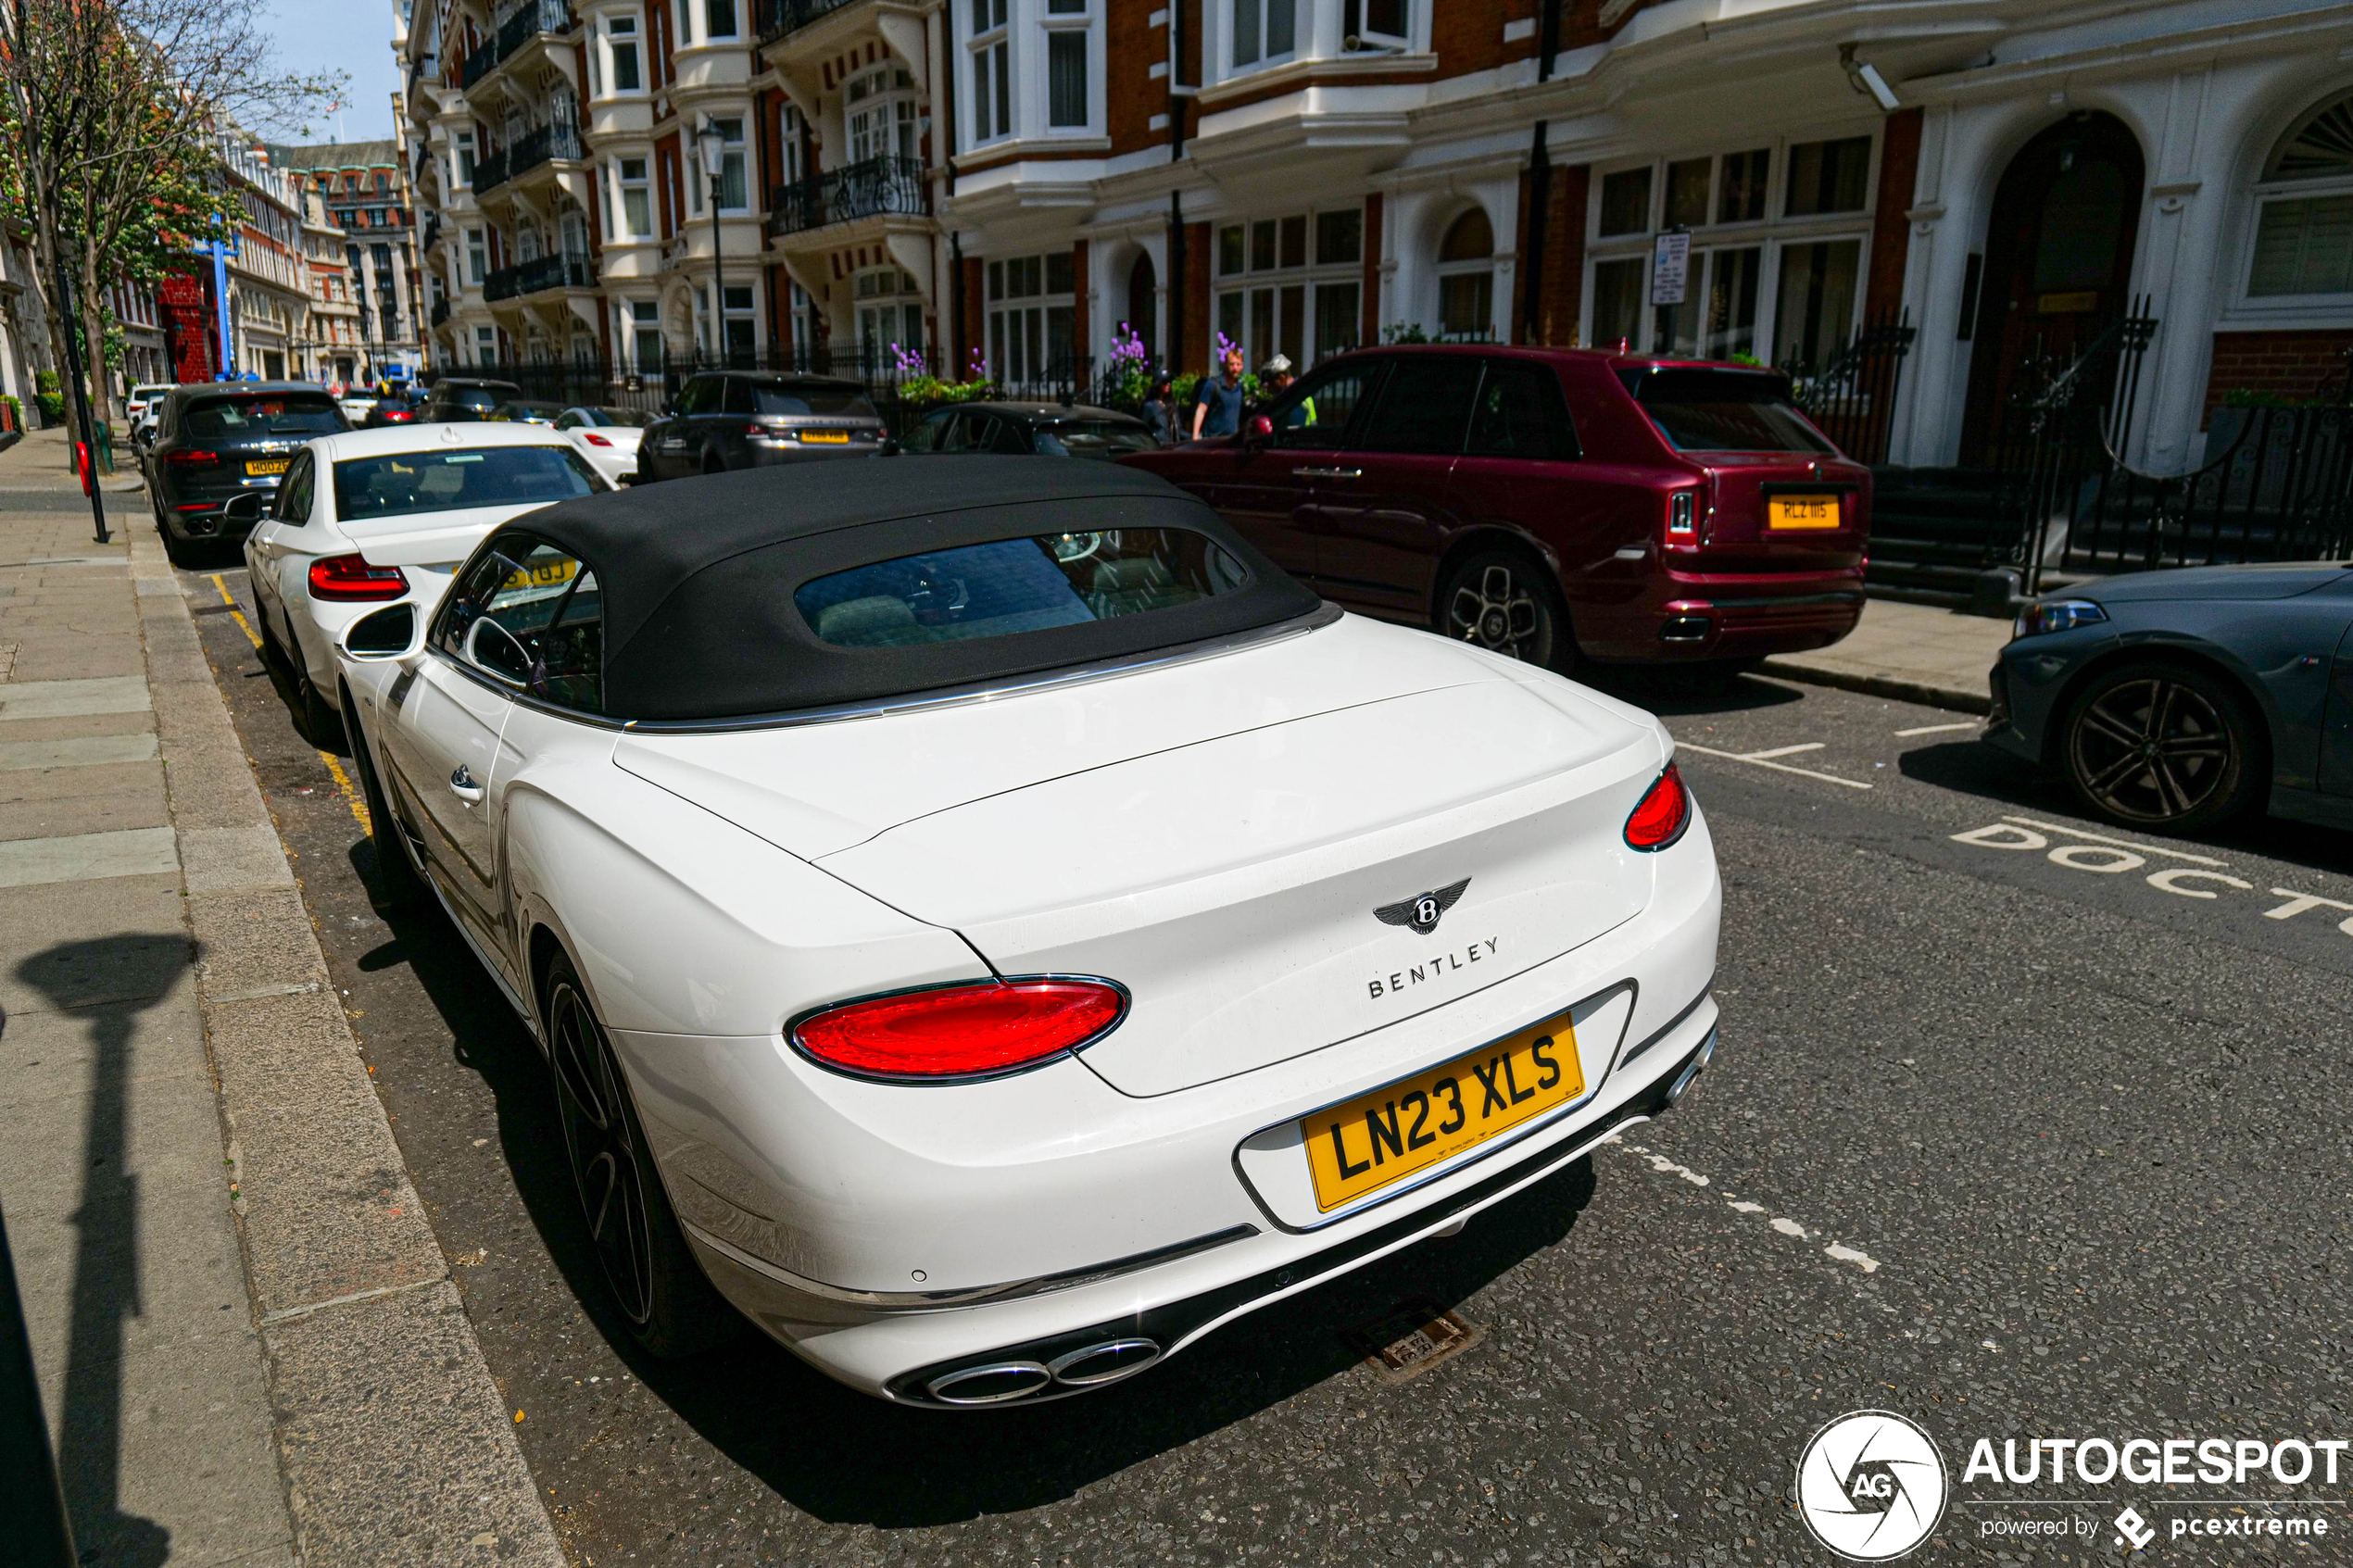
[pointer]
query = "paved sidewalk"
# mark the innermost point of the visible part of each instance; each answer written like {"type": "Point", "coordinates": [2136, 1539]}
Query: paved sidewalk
{"type": "Point", "coordinates": [250, 1350]}
{"type": "Point", "coordinates": [1916, 653]}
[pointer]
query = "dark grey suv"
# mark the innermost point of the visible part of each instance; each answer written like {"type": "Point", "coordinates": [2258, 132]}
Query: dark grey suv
{"type": "Point", "coordinates": [747, 418]}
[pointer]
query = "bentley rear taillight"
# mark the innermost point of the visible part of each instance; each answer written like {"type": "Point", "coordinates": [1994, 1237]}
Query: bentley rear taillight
{"type": "Point", "coordinates": [347, 578]}
{"type": "Point", "coordinates": [1662, 814]}
{"type": "Point", "coordinates": [946, 1032]}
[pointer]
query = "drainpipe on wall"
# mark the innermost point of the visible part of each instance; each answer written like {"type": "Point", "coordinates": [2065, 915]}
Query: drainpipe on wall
{"type": "Point", "coordinates": [1540, 183]}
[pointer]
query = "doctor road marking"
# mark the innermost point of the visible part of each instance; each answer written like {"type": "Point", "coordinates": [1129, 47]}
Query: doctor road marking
{"type": "Point", "coordinates": [2204, 878]}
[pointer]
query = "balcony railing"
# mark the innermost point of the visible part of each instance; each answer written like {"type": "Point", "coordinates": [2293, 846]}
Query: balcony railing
{"type": "Point", "coordinates": [540, 272]}
{"type": "Point", "coordinates": [533, 17]}
{"type": "Point", "coordinates": [477, 65]}
{"type": "Point", "coordinates": [554, 140]}
{"type": "Point", "coordinates": [776, 18]}
{"type": "Point", "coordinates": [440, 312]}
{"type": "Point", "coordinates": [842, 195]}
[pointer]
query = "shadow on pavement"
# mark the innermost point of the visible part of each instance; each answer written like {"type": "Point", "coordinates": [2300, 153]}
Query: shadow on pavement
{"type": "Point", "coordinates": [846, 1458]}
{"type": "Point", "coordinates": [108, 981]}
{"type": "Point", "coordinates": [1975, 768]}
{"type": "Point", "coordinates": [1673, 692]}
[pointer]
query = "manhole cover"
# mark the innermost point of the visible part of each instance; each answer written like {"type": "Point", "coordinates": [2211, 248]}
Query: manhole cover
{"type": "Point", "coordinates": [1411, 1338]}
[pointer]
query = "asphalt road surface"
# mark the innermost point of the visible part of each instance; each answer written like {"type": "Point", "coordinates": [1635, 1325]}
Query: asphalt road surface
{"type": "Point", "coordinates": [2012, 1132]}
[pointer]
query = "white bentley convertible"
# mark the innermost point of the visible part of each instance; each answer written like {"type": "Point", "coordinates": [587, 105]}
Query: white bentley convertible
{"type": "Point", "coordinates": [995, 928]}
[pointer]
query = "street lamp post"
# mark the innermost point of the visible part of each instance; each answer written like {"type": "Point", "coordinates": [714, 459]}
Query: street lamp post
{"type": "Point", "coordinates": [715, 156]}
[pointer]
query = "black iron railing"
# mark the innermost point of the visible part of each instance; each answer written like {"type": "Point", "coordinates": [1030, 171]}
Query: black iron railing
{"type": "Point", "coordinates": [773, 19]}
{"type": "Point", "coordinates": [1852, 396]}
{"type": "Point", "coordinates": [841, 195]}
{"type": "Point", "coordinates": [527, 21]}
{"type": "Point", "coordinates": [555, 139]}
{"type": "Point", "coordinates": [540, 272]}
{"type": "Point", "coordinates": [440, 312]}
{"type": "Point", "coordinates": [478, 64]}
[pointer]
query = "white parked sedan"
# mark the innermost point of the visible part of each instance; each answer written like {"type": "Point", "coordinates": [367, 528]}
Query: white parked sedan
{"type": "Point", "coordinates": [991, 927]}
{"type": "Point", "coordinates": [607, 438]}
{"type": "Point", "coordinates": [373, 517]}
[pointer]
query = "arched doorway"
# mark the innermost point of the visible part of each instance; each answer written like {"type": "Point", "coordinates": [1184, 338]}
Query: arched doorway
{"type": "Point", "coordinates": [1143, 287]}
{"type": "Point", "coordinates": [1466, 277]}
{"type": "Point", "coordinates": [2058, 259]}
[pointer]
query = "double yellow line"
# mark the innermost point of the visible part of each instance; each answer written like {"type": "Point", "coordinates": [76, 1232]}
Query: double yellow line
{"type": "Point", "coordinates": [351, 798]}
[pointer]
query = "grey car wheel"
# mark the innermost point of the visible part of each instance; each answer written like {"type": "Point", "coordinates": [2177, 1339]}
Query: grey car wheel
{"type": "Point", "coordinates": [2160, 746]}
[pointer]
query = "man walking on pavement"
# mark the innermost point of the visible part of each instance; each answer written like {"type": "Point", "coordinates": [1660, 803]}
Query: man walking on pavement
{"type": "Point", "coordinates": [1217, 408]}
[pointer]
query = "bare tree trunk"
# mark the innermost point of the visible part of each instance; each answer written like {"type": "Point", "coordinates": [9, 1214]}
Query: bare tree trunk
{"type": "Point", "coordinates": [94, 335]}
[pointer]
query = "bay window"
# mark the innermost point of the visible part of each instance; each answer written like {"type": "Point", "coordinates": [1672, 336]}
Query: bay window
{"type": "Point", "coordinates": [1069, 43]}
{"type": "Point", "coordinates": [1265, 31]}
{"type": "Point", "coordinates": [992, 85]}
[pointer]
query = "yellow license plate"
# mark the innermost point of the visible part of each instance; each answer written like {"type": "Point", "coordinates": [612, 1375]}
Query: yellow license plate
{"type": "Point", "coordinates": [831, 437]}
{"type": "Point", "coordinates": [259, 466]}
{"type": "Point", "coordinates": [1803, 511]}
{"type": "Point", "coordinates": [1410, 1125]}
{"type": "Point", "coordinates": [540, 574]}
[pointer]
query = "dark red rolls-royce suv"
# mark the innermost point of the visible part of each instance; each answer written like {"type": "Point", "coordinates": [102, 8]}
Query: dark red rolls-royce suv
{"type": "Point", "coordinates": [1553, 504]}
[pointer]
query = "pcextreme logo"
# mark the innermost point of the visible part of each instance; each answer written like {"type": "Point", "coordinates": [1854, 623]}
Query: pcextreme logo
{"type": "Point", "coordinates": [1871, 1486]}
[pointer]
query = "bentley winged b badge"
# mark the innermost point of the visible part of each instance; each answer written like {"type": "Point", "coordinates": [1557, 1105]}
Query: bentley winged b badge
{"type": "Point", "coordinates": [1423, 910]}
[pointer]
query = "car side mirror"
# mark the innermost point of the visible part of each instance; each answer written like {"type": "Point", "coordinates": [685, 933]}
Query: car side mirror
{"type": "Point", "coordinates": [246, 508]}
{"type": "Point", "coordinates": [394, 632]}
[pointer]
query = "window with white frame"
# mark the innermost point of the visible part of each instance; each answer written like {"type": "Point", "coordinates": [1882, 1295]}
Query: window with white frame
{"type": "Point", "coordinates": [1069, 48]}
{"type": "Point", "coordinates": [735, 187]}
{"type": "Point", "coordinates": [791, 143]}
{"type": "Point", "coordinates": [1291, 285]}
{"type": "Point", "coordinates": [879, 107]}
{"type": "Point", "coordinates": [644, 326]}
{"type": "Point", "coordinates": [477, 257]}
{"type": "Point", "coordinates": [464, 143]}
{"type": "Point", "coordinates": [2303, 240]}
{"type": "Point", "coordinates": [719, 20]}
{"type": "Point", "coordinates": [990, 52]}
{"type": "Point", "coordinates": [1775, 271]}
{"type": "Point", "coordinates": [1264, 31]}
{"type": "Point", "coordinates": [1466, 277]}
{"type": "Point", "coordinates": [1030, 315]}
{"type": "Point", "coordinates": [891, 313]}
{"type": "Point", "coordinates": [485, 345]}
{"type": "Point", "coordinates": [1375, 24]}
{"type": "Point", "coordinates": [620, 53]}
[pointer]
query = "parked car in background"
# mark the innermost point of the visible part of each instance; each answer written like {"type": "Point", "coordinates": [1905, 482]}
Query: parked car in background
{"type": "Point", "coordinates": [993, 1050]}
{"type": "Point", "coordinates": [607, 438]}
{"type": "Point", "coordinates": [2173, 701]}
{"type": "Point", "coordinates": [526, 412]}
{"type": "Point", "coordinates": [384, 516]}
{"type": "Point", "coordinates": [1554, 505]}
{"type": "Point", "coordinates": [398, 409]}
{"type": "Point", "coordinates": [1047, 429]}
{"type": "Point", "coordinates": [357, 407]}
{"type": "Point", "coordinates": [748, 419]}
{"type": "Point", "coordinates": [219, 441]}
{"type": "Point", "coordinates": [142, 406]}
{"type": "Point", "coordinates": [459, 398]}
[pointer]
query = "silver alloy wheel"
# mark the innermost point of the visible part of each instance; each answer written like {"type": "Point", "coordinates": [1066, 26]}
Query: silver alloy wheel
{"type": "Point", "coordinates": [2152, 750]}
{"type": "Point", "coordinates": [1499, 611]}
{"type": "Point", "coordinates": [600, 1140]}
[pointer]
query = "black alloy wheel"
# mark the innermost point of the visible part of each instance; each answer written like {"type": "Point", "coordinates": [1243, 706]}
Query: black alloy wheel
{"type": "Point", "coordinates": [649, 1273]}
{"type": "Point", "coordinates": [2161, 745]}
{"type": "Point", "coordinates": [1505, 603]}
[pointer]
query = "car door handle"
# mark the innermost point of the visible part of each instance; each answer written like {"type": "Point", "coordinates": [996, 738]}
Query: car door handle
{"type": "Point", "coordinates": [1327, 473]}
{"type": "Point", "coordinates": [463, 785]}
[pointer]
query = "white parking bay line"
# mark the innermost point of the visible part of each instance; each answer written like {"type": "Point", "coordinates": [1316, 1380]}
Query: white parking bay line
{"type": "Point", "coordinates": [1941, 729]}
{"type": "Point", "coordinates": [74, 699]}
{"type": "Point", "coordinates": [1836, 1251]}
{"type": "Point", "coordinates": [79, 751]}
{"type": "Point", "coordinates": [1782, 751]}
{"type": "Point", "coordinates": [87, 856]}
{"type": "Point", "coordinates": [1763, 759]}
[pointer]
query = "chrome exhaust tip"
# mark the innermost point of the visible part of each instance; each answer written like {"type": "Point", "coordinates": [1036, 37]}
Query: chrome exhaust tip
{"type": "Point", "coordinates": [1692, 1069]}
{"type": "Point", "coordinates": [1686, 628]}
{"type": "Point", "coordinates": [1107, 1363]}
{"type": "Point", "coordinates": [992, 1382]}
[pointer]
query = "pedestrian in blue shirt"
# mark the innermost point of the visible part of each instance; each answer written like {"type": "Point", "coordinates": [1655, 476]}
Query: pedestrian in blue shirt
{"type": "Point", "coordinates": [1218, 408]}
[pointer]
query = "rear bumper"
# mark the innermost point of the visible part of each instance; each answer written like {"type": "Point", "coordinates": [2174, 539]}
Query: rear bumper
{"type": "Point", "coordinates": [198, 516]}
{"type": "Point", "coordinates": [766, 455]}
{"type": "Point", "coordinates": [1685, 617]}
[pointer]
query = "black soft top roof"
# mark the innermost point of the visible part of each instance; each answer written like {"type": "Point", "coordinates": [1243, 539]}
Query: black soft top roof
{"type": "Point", "coordinates": [697, 577]}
